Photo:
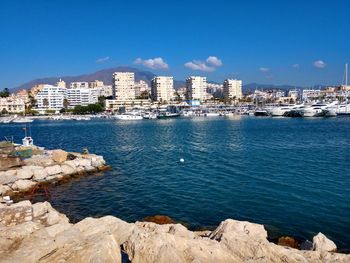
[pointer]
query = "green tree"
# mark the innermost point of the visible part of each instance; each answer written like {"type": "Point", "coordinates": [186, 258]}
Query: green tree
{"type": "Point", "coordinates": [4, 111]}
{"type": "Point", "coordinates": [5, 93]}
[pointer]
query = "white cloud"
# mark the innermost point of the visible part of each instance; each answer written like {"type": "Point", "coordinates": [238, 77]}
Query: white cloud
{"type": "Point", "coordinates": [319, 64]}
{"type": "Point", "coordinates": [209, 65]}
{"type": "Point", "coordinates": [153, 63]}
{"type": "Point", "coordinates": [264, 70]}
{"type": "Point", "coordinates": [214, 61]}
{"type": "Point", "coordinates": [102, 60]}
{"type": "Point", "coordinates": [199, 65]}
{"type": "Point", "coordinates": [296, 66]}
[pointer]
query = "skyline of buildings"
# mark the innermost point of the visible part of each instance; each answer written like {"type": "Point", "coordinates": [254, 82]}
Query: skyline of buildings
{"type": "Point", "coordinates": [126, 92]}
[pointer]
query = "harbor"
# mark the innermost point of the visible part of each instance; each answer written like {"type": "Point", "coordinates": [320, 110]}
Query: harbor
{"type": "Point", "coordinates": [242, 167]}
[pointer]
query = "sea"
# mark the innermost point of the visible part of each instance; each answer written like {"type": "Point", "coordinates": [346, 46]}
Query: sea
{"type": "Point", "coordinates": [290, 174]}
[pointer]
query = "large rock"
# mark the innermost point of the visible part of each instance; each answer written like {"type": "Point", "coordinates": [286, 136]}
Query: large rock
{"type": "Point", "coordinates": [67, 169]}
{"type": "Point", "coordinates": [40, 209]}
{"type": "Point", "coordinates": [83, 162]}
{"type": "Point", "coordinates": [39, 160]}
{"type": "Point", "coordinates": [231, 227]}
{"type": "Point", "coordinates": [25, 173]}
{"type": "Point", "coordinates": [4, 189]}
{"type": "Point", "coordinates": [9, 162]}
{"type": "Point", "coordinates": [16, 213]}
{"type": "Point", "coordinates": [322, 243]}
{"type": "Point", "coordinates": [40, 174]}
{"type": "Point", "coordinates": [59, 156]}
{"type": "Point", "coordinates": [7, 179]}
{"type": "Point", "coordinates": [53, 170]}
{"type": "Point", "coordinates": [70, 163]}
{"type": "Point", "coordinates": [23, 185]}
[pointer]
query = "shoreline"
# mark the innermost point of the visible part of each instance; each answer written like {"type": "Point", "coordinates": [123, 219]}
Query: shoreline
{"type": "Point", "coordinates": [37, 232]}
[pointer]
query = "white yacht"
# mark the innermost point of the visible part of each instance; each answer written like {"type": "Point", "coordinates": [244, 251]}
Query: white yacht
{"type": "Point", "coordinates": [316, 110]}
{"type": "Point", "coordinates": [128, 117]}
{"type": "Point", "coordinates": [22, 120]}
{"type": "Point", "coordinates": [281, 110]}
{"type": "Point", "coordinates": [343, 109]}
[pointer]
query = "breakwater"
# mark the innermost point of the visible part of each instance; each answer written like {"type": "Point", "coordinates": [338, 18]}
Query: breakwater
{"type": "Point", "coordinates": [20, 173]}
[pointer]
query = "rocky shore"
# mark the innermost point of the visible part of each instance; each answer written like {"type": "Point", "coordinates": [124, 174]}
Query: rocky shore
{"type": "Point", "coordinates": [38, 233]}
{"type": "Point", "coordinates": [20, 173]}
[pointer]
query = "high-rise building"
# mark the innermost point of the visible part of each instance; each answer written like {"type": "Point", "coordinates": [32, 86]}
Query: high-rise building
{"type": "Point", "coordinates": [232, 89]}
{"type": "Point", "coordinates": [162, 88]}
{"type": "Point", "coordinates": [124, 85]}
{"type": "Point", "coordinates": [82, 97]}
{"type": "Point", "coordinates": [79, 85]}
{"type": "Point", "coordinates": [196, 88]}
{"type": "Point", "coordinates": [96, 84]}
{"type": "Point", "coordinates": [141, 87]}
{"type": "Point", "coordinates": [50, 98]}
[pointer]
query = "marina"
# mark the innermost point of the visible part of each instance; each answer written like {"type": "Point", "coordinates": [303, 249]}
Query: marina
{"type": "Point", "coordinates": [290, 174]}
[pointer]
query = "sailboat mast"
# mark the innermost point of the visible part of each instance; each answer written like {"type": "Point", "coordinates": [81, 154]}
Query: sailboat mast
{"type": "Point", "coordinates": [346, 74]}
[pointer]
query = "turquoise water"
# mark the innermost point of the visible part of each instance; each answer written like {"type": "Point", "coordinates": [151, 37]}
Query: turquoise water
{"type": "Point", "coordinates": [293, 175]}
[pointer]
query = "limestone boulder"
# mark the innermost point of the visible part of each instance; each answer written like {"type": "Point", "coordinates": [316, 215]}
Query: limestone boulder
{"type": "Point", "coordinates": [233, 228]}
{"type": "Point", "coordinates": [70, 163]}
{"type": "Point", "coordinates": [39, 174]}
{"type": "Point", "coordinates": [56, 229]}
{"type": "Point", "coordinates": [25, 173]}
{"type": "Point", "coordinates": [41, 209]}
{"type": "Point", "coordinates": [67, 169]}
{"type": "Point", "coordinates": [9, 162]}
{"type": "Point", "coordinates": [16, 213]}
{"type": "Point", "coordinates": [107, 224]}
{"type": "Point", "coordinates": [83, 162]}
{"type": "Point", "coordinates": [4, 189]}
{"type": "Point", "coordinates": [59, 156]}
{"type": "Point", "coordinates": [7, 178]}
{"type": "Point", "coordinates": [39, 160]}
{"type": "Point", "coordinates": [322, 243]}
{"type": "Point", "coordinates": [53, 170]}
{"type": "Point", "coordinates": [101, 248]}
{"type": "Point", "coordinates": [54, 217]}
{"type": "Point", "coordinates": [23, 185]}
{"type": "Point", "coordinates": [10, 172]}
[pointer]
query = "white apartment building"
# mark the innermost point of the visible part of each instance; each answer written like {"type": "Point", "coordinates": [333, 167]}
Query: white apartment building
{"type": "Point", "coordinates": [232, 88]}
{"type": "Point", "coordinates": [196, 88]}
{"type": "Point", "coordinates": [162, 88]}
{"type": "Point", "coordinates": [79, 85]}
{"type": "Point", "coordinates": [124, 85]}
{"type": "Point", "coordinates": [50, 98]}
{"type": "Point", "coordinates": [105, 91]}
{"type": "Point", "coordinates": [96, 84]}
{"type": "Point", "coordinates": [12, 104]}
{"type": "Point", "coordinates": [82, 97]}
{"type": "Point", "coordinates": [141, 86]}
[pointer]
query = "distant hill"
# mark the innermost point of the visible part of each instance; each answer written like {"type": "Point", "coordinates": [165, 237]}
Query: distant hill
{"type": "Point", "coordinates": [105, 75]}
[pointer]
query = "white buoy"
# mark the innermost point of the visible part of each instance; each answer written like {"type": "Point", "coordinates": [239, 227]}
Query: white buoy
{"type": "Point", "coordinates": [182, 160]}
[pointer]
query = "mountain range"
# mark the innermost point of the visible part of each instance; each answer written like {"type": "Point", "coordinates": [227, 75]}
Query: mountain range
{"type": "Point", "coordinates": [105, 75]}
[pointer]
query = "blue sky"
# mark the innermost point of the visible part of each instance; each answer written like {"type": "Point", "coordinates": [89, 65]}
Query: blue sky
{"type": "Point", "coordinates": [278, 42]}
